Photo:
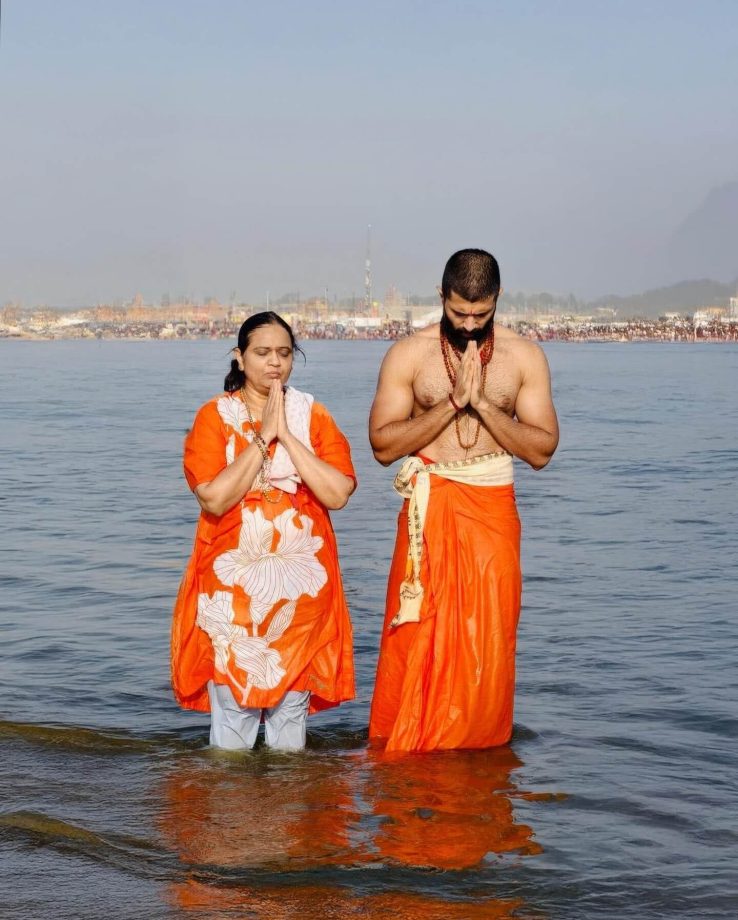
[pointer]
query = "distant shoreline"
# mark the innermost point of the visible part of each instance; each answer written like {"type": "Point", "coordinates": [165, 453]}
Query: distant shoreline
{"type": "Point", "coordinates": [569, 339]}
{"type": "Point", "coordinates": [708, 325]}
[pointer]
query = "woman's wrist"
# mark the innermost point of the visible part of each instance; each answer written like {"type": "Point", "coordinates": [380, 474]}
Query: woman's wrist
{"type": "Point", "coordinates": [286, 438]}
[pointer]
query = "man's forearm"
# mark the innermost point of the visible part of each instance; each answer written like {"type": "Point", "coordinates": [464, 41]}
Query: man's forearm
{"type": "Point", "coordinates": [398, 439]}
{"type": "Point", "coordinates": [533, 445]}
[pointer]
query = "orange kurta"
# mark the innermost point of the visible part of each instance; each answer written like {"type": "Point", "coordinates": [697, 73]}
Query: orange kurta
{"type": "Point", "coordinates": [448, 681]}
{"type": "Point", "coordinates": [261, 605]}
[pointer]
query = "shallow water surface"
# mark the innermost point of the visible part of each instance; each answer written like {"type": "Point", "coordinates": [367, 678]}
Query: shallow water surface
{"type": "Point", "coordinates": [617, 795]}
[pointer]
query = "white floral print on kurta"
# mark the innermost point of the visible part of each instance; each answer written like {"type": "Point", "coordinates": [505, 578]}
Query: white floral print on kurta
{"type": "Point", "coordinates": [268, 577]}
{"type": "Point", "coordinates": [233, 412]}
{"type": "Point", "coordinates": [261, 663]}
{"type": "Point", "coordinates": [215, 616]}
{"type": "Point", "coordinates": [252, 654]}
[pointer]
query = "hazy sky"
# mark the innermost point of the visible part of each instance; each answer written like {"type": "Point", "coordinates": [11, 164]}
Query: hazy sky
{"type": "Point", "coordinates": [233, 146]}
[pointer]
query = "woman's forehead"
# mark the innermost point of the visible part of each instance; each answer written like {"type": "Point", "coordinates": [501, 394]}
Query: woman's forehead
{"type": "Point", "coordinates": [271, 336]}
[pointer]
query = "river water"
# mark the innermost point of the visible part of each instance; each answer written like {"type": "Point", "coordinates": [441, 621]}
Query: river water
{"type": "Point", "coordinates": [617, 796]}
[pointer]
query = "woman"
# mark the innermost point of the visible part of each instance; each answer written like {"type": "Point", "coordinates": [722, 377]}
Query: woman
{"type": "Point", "coordinates": [261, 627]}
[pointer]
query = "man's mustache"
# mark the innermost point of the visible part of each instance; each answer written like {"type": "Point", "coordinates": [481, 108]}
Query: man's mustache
{"type": "Point", "coordinates": [459, 336]}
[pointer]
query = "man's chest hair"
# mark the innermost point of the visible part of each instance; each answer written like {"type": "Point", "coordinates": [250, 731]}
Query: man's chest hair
{"type": "Point", "coordinates": [432, 384]}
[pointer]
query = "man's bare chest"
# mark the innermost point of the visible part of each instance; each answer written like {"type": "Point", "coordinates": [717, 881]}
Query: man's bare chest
{"type": "Point", "coordinates": [502, 382]}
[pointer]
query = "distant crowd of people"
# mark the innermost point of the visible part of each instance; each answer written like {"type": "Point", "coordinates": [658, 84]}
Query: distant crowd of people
{"type": "Point", "coordinates": [682, 330]}
{"type": "Point", "coordinates": [637, 330]}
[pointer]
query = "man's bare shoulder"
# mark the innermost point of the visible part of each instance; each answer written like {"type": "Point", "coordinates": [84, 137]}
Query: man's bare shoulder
{"type": "Point", "coordinates": [414, 346]}
{"type": "Point", "coordinates": [524, 351]}
{"type": "Point", "coordinates": [427, 333]}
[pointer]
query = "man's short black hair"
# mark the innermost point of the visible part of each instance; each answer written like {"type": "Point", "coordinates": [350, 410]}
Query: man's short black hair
{"type": "Point", "coordinates": [472, 274]}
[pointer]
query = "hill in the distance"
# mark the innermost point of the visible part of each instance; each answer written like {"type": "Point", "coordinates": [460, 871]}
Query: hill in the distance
{"type": "Point", "coordinates": [684, 297]}
{"type": "Point", "coordinates": [705, 245]}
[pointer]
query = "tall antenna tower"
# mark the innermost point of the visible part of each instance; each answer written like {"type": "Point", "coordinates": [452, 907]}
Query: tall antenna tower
{"type": "Point", "coordinates": [368, 272]}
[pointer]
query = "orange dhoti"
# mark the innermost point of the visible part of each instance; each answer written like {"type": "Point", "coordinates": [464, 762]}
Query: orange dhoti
{"type": "Point", "coordinates": [446, 675]}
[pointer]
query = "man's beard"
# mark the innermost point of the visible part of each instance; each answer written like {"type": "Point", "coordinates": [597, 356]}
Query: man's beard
{"type": "Point", "coordinates": [458, 338]}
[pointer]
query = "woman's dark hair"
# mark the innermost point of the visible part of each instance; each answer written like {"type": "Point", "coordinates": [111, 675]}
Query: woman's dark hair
{"type": "Point", "coordinates": [236, 378]}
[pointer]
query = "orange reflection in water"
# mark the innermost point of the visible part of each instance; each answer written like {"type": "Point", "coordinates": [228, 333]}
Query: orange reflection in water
{"type": "Point", "coordinates": [265, 811]}
{"type": "Point", "coordinates": [314, 902]}
{"type": "Point", "coordinates": [447, 810]}
{"type": "Point", "coordinates": [292, 813]}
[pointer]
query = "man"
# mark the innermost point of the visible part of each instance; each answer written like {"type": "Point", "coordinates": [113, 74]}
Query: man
{"type": "Point", "coordinates": [459, 399]}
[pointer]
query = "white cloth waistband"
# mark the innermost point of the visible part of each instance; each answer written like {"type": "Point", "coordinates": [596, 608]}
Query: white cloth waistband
{"type": "Point", "coordinates": [413, 482]}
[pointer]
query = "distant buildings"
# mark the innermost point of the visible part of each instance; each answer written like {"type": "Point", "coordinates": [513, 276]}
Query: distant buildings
{"type": "Point", "coordinates": [709, 315]}
{"type": "Point", "coordinates": [393, 318]}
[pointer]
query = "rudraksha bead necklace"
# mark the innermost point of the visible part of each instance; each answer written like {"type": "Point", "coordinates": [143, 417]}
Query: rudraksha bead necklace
{"type": "Point", "coordinates": [485, 356]}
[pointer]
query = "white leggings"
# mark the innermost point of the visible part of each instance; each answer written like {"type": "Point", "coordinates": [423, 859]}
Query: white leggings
{"type": "Point", "coordinates": [234, 728]}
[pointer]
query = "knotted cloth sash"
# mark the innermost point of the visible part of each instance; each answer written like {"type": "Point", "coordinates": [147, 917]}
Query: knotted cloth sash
{"type": "Point", "coordinates": [413, 482]}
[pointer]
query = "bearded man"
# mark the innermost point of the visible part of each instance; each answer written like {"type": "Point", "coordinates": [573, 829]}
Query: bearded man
{"type": "Point", "coordinates": [459, 399]}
